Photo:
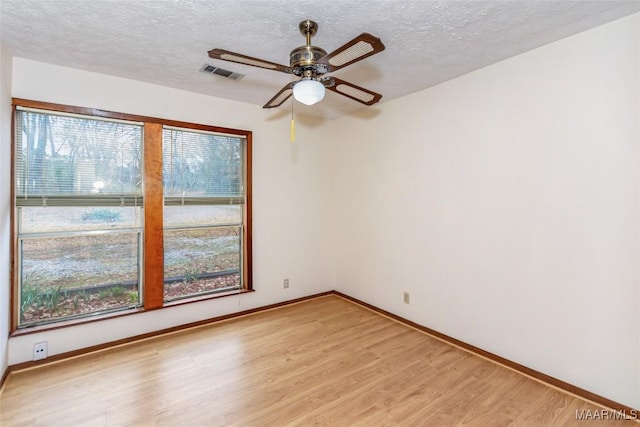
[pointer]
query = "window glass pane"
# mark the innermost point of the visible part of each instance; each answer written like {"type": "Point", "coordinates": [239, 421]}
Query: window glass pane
{"type": "Point", "coordinates": [189, 216]}
{"type": "Point", "coordinates": [58, 219]}
{"type": "Point", "coordinates": [199, 261]}
{"type": "Point", "coordinates": [63, 277]}
{"type": "Point", "coordinates": [73, 155]}
{"type": "Point", "coordinates": [201, 164]}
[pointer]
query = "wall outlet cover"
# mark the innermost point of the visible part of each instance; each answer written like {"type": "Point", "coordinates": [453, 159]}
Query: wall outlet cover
{"type": "Point", "coordinates": [40, 350]}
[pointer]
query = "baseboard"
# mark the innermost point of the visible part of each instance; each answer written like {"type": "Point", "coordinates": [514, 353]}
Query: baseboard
{"type": "Point", "coordinates": [135, 338]}
{"type": "Point", "coordinates": [532, 373]}
{"type": "Point", "coordinates": [3, 379]}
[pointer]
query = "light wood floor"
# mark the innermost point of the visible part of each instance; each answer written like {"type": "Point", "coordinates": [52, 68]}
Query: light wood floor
{"type": "Point", "coordinates": [322, 362]}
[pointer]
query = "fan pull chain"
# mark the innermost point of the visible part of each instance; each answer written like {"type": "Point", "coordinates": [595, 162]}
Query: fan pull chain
{"type": "Point", "coordinates": [292, 129]}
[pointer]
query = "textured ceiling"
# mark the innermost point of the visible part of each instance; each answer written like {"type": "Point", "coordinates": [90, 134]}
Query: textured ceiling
{"type": "Point", "coordinates": [166, 42]}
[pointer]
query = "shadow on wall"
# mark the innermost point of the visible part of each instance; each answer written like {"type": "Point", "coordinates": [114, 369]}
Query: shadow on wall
{"type": "Point", "coordinates": [301, 118]}
{"type": "Point", "coordinates": [368, 113]}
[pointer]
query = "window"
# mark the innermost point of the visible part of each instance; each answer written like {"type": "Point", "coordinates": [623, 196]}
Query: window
{"type": "Point", "coordinates": [115, 212]}
{"type": "Point", "coordinates": [203, 181]}
{"type": "Point", "coordinates": [78, 196]}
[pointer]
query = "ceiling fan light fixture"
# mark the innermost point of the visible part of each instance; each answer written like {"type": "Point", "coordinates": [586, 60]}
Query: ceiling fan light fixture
{"type": "Point", "coordinates": [308, 91]}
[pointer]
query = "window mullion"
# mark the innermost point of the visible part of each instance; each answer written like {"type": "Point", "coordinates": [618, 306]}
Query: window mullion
{"type": "Point", "coordinates": [153, 217]}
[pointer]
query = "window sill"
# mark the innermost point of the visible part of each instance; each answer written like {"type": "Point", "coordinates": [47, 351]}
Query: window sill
{"type": "Point", "coordinates": [189, 300]}
{"type": "Point", "coordinates": [27, 330]}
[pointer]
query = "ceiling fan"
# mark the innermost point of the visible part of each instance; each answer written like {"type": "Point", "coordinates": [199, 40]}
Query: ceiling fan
{"type": "Point", "coordinates": [311, 64]}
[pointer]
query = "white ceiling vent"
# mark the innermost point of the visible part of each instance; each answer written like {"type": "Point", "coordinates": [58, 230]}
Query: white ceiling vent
{"type": "Point", "coordinates": [210, 69]}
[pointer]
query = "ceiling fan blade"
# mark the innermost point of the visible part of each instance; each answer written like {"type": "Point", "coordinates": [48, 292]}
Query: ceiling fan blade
{"type": "Point", "coordinates": [354, 92]}
{"type": "Point", "coordinates": [357, 49]}
{"type": "Point", "coordinates": [226, 55]}
{"type": "Point", "coordinates": [280, 97]}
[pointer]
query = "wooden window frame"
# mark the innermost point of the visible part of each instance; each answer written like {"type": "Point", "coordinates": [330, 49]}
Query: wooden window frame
{"type": "Point", "coordinates": [153, 281]}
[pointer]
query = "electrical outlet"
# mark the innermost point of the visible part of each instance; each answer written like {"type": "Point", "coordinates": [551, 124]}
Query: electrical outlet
{"type": "Point", "coordinates": [406, 298]}
{"type": "Point", "coordinates": [40, 351]}
{"type": "Point", "coordinates": [285, 283]}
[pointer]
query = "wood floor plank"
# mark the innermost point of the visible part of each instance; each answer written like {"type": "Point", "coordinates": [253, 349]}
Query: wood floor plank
{"type": "Point", "coordinates": [325, 361]}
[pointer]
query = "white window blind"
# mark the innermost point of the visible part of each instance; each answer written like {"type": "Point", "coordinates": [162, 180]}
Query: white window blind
{"type": "Point", "coordinates": [74, 160]}
{"type": "Point", "coordinates": [202, 168]}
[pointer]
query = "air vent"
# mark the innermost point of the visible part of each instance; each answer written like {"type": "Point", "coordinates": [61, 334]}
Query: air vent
{"type": "Point", "coordinates": [210, 69]}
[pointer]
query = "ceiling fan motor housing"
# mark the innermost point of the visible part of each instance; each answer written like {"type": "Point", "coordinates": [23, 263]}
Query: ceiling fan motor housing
{"type": "Point", "coordinates": [305, 57]}
{"type": "Point", "coordinates": [302, 60]}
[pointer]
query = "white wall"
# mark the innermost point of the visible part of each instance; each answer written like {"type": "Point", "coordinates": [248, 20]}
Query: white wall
{"type": "Point", "coordinates": [5, 201]}
{"type": "Point", "coordinates": [506, 202]}
{"type": "Point", "coordinates": [290, 207]}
